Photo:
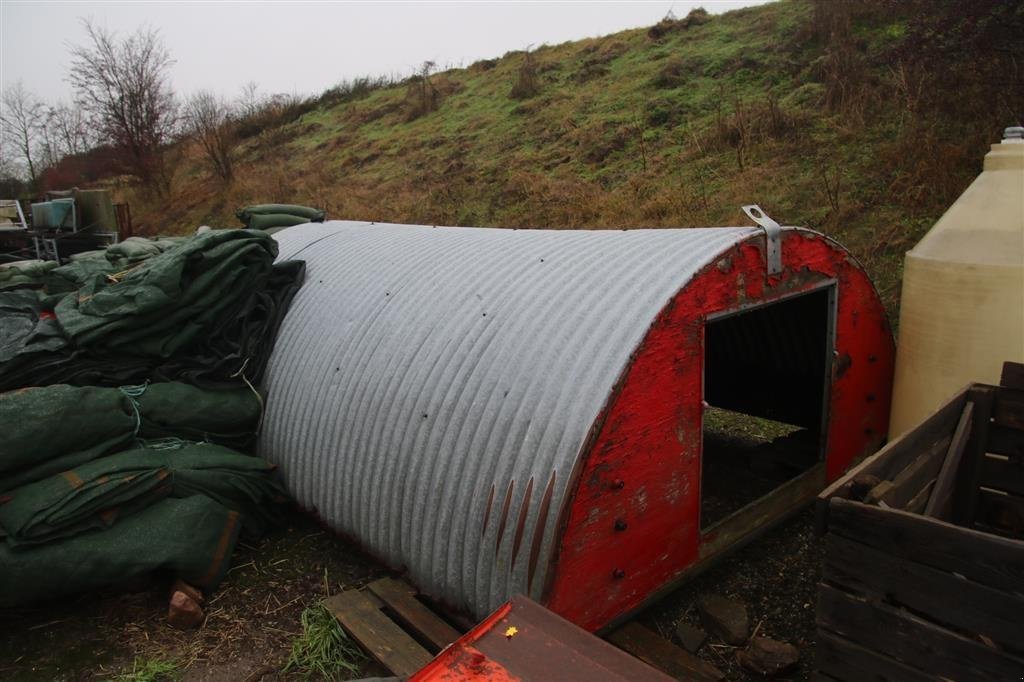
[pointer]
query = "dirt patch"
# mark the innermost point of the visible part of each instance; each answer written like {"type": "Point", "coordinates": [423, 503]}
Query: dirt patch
{"type": "Point", "coordinates": [252, 619]}
{"type": "Point", "coordinates": [776, 577]}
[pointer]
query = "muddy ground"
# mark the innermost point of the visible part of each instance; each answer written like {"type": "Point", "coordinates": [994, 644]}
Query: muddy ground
{"type": "Point", "coordinates": [775, 576]}
{"type": "Point", "coordinates": [254, 617]}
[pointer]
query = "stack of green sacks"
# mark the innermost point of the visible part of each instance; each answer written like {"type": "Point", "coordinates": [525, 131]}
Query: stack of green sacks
{"type": "Point", "coordinates": [203, 307]}
{"type": "Point", "coordinates": [25, 273]}
{"type": "Point", "coordinates": [273, 217]}
{"type": "Point", "coordinates": [100, 485]}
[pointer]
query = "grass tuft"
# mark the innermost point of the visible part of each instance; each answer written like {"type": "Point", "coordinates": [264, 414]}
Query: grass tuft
{"type": "Point", "coordinates": [323, 650]}
{"type": "Point", "coordinates": [150, 670]}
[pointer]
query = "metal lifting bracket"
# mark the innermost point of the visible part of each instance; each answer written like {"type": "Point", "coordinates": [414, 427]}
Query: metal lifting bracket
{"type": "Point", "coordinates": [772, 237]}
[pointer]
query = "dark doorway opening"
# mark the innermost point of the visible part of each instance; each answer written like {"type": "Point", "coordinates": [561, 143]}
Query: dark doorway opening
{"type": "Point", "coordinates": [766, 380]}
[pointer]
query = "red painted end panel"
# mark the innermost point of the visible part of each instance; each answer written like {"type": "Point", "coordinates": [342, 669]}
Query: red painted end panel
{"type": "Point", "coordinates": [643, 469]}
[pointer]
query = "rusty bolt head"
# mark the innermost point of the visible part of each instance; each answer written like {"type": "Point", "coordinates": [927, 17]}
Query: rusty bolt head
{"type": "Point", "coordinates": [618, 574]}
{"type": "Point", "coordinates": [618, 484]}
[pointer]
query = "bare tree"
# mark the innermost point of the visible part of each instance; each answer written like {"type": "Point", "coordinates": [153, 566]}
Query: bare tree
{"type": "Point", "coordinates": [70, 129]}
{"type": "Point", "coordinates": [208, 118]}
{"type": "Point", "coordinates": [123, 83]}
{"type": "Point", "coordinates": [22, 115]}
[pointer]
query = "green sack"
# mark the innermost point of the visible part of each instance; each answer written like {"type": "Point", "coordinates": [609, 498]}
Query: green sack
{"type": "Point", "coordinates": [315, 215]}
{"type": "Point", "coordinates": [100, 493]}
{"type": "Point", "coordinates": [25, 273]}
{"type": "Point", "coordinates": [269, 221]}
{"type": "Point", "coordinates": [170, 300]}
{"type": "Point", "coordinates": [190, 538]}
{"type": "Point", "coordinates": [51, 429]}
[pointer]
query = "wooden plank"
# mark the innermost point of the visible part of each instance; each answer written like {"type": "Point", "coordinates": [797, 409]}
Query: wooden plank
{"type": "Point", "coordinates": [917, 642]}
{"type": "Point", "coordinates": [893, 457]}
{"type": "Point", "coordinates": [376, 633]}
{"type": "Point", "coordinates": [1012, 375]}
{"type": "Point", "coordinates": [919, 473]}
{"type": "Point", "coordinates": [1002, 473]}
{"type": "Point", "coordinates": [841, 659]}
{"type": "Point", "coordinates": [965, 498]}
{"type": "Point", "coordinates": [662, 654]}
{"type": "Point", "coordinates": [938, 595]}
{"type": "Point", "coordinates": [917, 503]}
{"type": "Point", "coordinates": [1009, 408]}
{"type": "Point", "coordinates": [941, 500]}
{"type": "Point", "coordinates": [1003, 513]}
{"type": "Point", "coordinates": [1006, 441]}
{"type": "Point", "coordinates": [401, 599]}
{"type": "Point", "coordinates": [762, 512]}
{"type": "Point", "coordinates": [981, 557]}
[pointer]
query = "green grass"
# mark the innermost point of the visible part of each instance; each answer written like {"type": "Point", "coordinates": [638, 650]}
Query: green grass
{"type": "Point", "coordinates": [323, 650]}
{"type": "Point", "coordinates": [607, 142]}
{"type": "Point", "coordinates": [150, 670]}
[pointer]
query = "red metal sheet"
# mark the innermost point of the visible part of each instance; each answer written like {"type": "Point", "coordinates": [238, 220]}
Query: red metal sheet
{"type": "Point", "coordinates": [643, 469]}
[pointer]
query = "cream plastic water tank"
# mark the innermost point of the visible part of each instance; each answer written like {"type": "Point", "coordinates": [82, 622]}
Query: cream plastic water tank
{"type": "Point", "coordinates": [962, 309]}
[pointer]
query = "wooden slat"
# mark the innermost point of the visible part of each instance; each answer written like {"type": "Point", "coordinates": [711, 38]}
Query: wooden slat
{"type": "Point", "coordinates": [981, 557]}
{"type": "Point", "coordinates": [965, 499]}
{"type": "Point", "coordinates": [662, 654]}
{"type": "Point", "coordinates": [841, 659]}
{"type": "Point", "coordinates": [401, 599]}
{"type": "Point", "coordinates": [1002, 513]}
{"type": "Point", "coordinates": [376, 633]}
{"type": "Point", "coordinates": [938, 595]}
{"type": "Point", "coordinates": [1009, 408]}
{"type": "Point", "coordinates": [941, 500]}
{"type": "Point", "coordinates": [895, 456]}
{"type": "Point", "coordinates": [1001, 473]}
{"type": "Point", "coordinates": [1012, 375]}
{"type": "Point", "coordinates": [919, 473]}
{"type": "Point", "coordinates": [762, 513]}
{"type": "Point", "coordinates": [1006, 441]}
{"type": "Point", "coordinates": [917, 642]}
{"type": "Point", "coordinates": [917, 503]}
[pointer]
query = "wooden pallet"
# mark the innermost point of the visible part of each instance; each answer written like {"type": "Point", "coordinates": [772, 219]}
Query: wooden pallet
{"type": "Point", "coordinates": [401, 633]}
{"type": "Point", "coordinates": [392, 625]}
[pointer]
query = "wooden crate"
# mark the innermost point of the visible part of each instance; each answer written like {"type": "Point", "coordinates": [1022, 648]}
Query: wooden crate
{"type": "Point", "coordinates": [924, 568]}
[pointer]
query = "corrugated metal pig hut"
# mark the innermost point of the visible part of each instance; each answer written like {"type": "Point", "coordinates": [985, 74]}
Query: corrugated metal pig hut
{"type": "Point", "coordinates": [550, 412]}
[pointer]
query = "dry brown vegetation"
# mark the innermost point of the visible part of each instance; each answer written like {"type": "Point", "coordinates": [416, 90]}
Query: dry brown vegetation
{"type": "Point", "coordinates": [863, 119]}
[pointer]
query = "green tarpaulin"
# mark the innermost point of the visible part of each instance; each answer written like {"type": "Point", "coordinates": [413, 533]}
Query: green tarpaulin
{"type": "Point", "coordinates": [71, 425]}
{"type": "Point", "coordinates": [200, 312]}
{"type": "Point", "coordinates": [99, 493]}
{"type": "Point", "coordinates": [190, 538]}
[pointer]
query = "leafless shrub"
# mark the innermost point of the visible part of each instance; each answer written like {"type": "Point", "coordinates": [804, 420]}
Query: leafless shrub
{"type": "Point", "coordinates": [527, 84]}
{"type": "Point", "coordinates": [483, 65]}
{"type": "Point", "coordinates": [208, 119]}
{"type": "Point", "coordinates": [421, 97]}
{"type": "Point", "coordinates": [669, 23]}
{"type": "Point", "coordinates": [124, 84]}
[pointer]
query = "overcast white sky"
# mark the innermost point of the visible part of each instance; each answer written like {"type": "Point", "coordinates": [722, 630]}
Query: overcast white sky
{"type": "Point", "coordinates": [305, 47]}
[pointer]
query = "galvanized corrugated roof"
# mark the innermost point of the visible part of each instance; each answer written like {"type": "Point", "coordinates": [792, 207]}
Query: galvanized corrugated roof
{"type": "Point", "coordinates": [431, 388]}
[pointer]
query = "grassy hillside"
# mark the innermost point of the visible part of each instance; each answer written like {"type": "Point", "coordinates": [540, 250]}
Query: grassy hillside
{"type": "Point", "coordinates": [863, 119]}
